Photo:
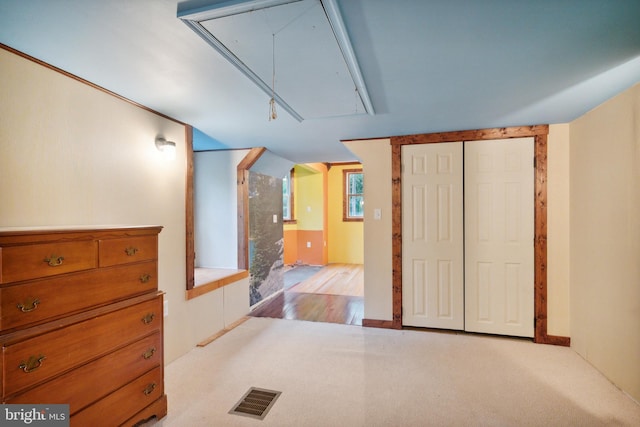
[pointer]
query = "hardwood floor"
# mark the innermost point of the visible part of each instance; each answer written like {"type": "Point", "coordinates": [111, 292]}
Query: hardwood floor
{"type": "Point", "coordinates": [335, 294]}
{"type": "Point", "coordinates": [335, 279]}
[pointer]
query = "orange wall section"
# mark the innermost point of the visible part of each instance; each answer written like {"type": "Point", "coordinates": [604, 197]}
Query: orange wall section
{"type": "Point", "coordinates": [290, 246]}
{"type": "Point", "coordinates": [314, 254]}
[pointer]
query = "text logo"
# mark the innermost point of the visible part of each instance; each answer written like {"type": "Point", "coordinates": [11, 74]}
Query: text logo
{"type": "Point", "coordinates": [34, 415]}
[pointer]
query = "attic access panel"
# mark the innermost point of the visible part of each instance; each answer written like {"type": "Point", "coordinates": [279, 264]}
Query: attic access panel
{"type": "Point", "coordinates": [302, 42]}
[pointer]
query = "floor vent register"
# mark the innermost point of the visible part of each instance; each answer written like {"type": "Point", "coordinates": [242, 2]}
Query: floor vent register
{"type": "Point", "coordinates": [256, 403]}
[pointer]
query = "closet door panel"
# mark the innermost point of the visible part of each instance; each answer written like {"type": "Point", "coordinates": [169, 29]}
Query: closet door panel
{"type": "Point", "coordinates": [433, 287]}
{"type": "Point", "coordinates": [499, 232]}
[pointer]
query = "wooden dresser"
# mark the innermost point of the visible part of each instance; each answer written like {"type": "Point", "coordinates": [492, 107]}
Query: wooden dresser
{"type": "Point", "coordinates": [81, 322]}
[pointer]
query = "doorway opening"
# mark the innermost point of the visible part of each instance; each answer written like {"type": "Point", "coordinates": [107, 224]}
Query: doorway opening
{"type": "Point", "coordinates": [323, 252]}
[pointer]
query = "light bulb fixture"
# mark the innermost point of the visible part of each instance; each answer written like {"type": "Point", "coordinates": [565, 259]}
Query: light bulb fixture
{"type": "Point", "coordinates": [167, 148]}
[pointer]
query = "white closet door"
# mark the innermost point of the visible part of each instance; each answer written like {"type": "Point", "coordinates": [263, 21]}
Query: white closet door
{"type": "Point", "coordinates": [499, 232]}
{"type": "Point", "coordinates": [432, 236]}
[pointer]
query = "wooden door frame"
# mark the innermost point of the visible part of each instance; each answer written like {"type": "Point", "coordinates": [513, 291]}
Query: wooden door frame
{"type": "Point", "coordinates": [539, 133]}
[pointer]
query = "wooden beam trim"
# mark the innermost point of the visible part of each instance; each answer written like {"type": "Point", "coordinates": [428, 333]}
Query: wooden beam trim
{"type": "Point", "coordinates": [251, 158]}
{"type": "Point", "coordinates": [471, 135]}
{"type": "Point", "coordinates": [216, 284]}
{"type": "Point", "coordinates": [540, 241]}
{"type": "Point", "coordinates": [540, 248]}
{"type": "Point", "coordinates": [338, 164]}
{"type": "Point", "coordinates": [189, 220]}
{"type": "Point", "coordinates": [396, 229]}
{"type": "Point", "coordinates": [375, 323]}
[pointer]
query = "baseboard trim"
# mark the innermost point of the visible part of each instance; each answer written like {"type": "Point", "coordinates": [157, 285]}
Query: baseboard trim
{"type": "Point", "coordinates": [223, 331]}
{"type": "Point", "coordinates": [554, 340]}
{"type": "Point", "coordinates": [390, 324]}
{"type": "Point", "coordinates": [375, 323]}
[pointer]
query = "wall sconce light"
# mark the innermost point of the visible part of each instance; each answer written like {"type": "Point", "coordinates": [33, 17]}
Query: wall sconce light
{"type": "Point", "coordinates": [167, 148]}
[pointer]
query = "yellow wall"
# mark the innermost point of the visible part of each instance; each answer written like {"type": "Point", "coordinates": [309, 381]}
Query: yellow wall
{"type": "Point", "coordinates": [309, 197]}
{"type": "Point", "coordinates": [306, 241]}
{"type": "Point", "coordinates": [346, 239]}
{"type": "Point", "coordinates": [74, 155]}
{"type": "Point", "coordinates": [605, 239]}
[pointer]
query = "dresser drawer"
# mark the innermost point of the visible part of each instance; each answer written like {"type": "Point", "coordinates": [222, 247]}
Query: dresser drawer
{"type": "Point", "coordinates": [31, 361]}
{"type": "Point", "coordinates": [117, 407]}
{"type": "Point", "coordinates": [128, 250]}
{"type": "Point", "coordinates": [89, 383]}
{"type": "Point", "coordinates": [34, 302]}
{"type": "Point", "coordinates": [24, 262]}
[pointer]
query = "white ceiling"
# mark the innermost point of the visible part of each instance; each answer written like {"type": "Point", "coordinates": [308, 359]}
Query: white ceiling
{"type": "Point", "coordinates": [429, 65]}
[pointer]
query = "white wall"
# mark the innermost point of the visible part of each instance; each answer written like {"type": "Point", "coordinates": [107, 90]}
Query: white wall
{"type": "Point", "coordinates": [215, 203]}
{"type": "Point", "coordinates": [73, 155]}
{"type": "Point", "coordinates": [605, 239]}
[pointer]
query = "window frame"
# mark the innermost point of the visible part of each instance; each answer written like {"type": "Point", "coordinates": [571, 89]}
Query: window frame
{"type": "Point", "coordinates": [346, 195]}
{"type": "Point", "coordinates": [292, 217]}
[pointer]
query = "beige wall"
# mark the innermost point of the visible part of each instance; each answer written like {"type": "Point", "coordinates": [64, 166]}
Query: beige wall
{"type": "Point", "coordinates": [558, 167]}
{"type": "Point", "coordinates": [605, 239]}
{"type": "Point", "coordinates": [375, 156]}
{"type": "Point", "coordinates": [73, 155]}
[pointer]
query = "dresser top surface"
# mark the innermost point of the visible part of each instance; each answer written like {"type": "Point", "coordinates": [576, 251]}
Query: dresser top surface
{"type": "Point", "coordinates": [23, 234]}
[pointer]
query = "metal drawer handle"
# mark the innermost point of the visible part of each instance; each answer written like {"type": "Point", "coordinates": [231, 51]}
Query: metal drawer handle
{"type": "Point", "coordinates": [131, 251]}
{"type": "Point", "coordinates": [148, 318]}
{"type": "Point", "coordinates": [29, 305]}
{"type": "Point", "coordinates": [145, 278]}
{"type": "Point", "coordinates": [54, 260]}
{"type": "Point", "coordinates": [149, 353]}
{"type": "Point", "coordinates": [32, 364]}
{"type": "Point", "coordinates": [149, 389]}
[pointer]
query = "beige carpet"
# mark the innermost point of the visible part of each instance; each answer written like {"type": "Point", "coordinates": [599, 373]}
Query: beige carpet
{"type": "Point", "coordinates": [338, 375]}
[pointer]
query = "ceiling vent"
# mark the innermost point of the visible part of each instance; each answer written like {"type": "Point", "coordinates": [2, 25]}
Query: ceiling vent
{"type": "Point", "coordinates": [297, 51]}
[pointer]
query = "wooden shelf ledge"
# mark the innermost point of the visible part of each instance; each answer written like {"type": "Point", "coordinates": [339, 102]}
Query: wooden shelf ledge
{"type": "Point", "coordinates": [209, 279]}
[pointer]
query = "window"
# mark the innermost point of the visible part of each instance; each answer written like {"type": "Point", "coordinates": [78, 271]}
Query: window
{"type": "Point", "coordinates": [353, 200]}
{"type": "Point", "coordinates": [287, 197]}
